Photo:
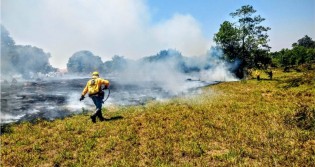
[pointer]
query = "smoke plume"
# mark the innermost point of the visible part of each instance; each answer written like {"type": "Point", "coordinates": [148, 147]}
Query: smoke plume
{"type": "Point", "coordinates": [105, 27]}
{"type": "Point", "coordinates": [22, 60]}
{"type": "Point", "coordinates": [168, 69]}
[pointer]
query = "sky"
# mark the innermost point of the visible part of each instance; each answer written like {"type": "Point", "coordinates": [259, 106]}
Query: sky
{"type": "Point", "coordinates": [138, 28]}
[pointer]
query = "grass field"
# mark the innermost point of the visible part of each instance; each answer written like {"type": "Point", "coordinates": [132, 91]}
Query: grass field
{"type": "Point", "coordinates": [244, 123]}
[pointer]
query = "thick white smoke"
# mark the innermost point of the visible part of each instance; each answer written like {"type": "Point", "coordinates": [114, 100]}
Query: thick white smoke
{"type": "Point", "coordinates": [160, 74]}
{"type": "Point", "coordinates": [107, 28]}
{"type": "Point", "coordinates": [174, 73]}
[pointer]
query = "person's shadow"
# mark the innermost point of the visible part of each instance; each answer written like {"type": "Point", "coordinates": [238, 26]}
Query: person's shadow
{"type": "Point", "coordinates": [114, 118]}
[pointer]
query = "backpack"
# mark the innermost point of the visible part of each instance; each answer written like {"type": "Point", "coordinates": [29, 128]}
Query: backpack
{"type": "Point", "coordinates": [93, 87]}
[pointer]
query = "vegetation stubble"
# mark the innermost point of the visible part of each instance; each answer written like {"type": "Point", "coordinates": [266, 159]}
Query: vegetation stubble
{"type": "Point", "coordinates": [249, 122]}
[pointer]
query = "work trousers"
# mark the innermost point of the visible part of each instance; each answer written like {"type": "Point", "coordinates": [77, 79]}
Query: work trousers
{"type": "Point", "coordinates": [98, 101]}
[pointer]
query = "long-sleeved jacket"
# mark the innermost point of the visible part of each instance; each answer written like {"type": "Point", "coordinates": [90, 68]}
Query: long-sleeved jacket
{"type": "Point", "coordinates": [94, 85]}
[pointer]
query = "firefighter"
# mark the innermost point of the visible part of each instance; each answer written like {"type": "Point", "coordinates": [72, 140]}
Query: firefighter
{"type": "Point", "coordinates": [270, 74]}
{"type": "Point", "coordinates": [94, 89]}
{"type": "Point", "coordinates": [257, 74]}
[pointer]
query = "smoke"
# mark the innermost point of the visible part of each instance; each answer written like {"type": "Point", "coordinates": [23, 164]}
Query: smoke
{"type": "Point", "coordinates": [73, 105]}
{"type": "Point", "coordinates": [218, 73]}
{"type": "Point", "coordinates": [216, 68]}
{"type": "Point", "coordinates": [111, 27]}
{"type": "Point", "coordinates": [81, 24]}
{"type": "Point", "coordinates": [171, 71]}
{"type": "Point", "coordinates": [163, 74]}
{"type": "Point", "coordinates": [133, 82]}
{"type": "Point", "coordinates": [168, 71]}
{"type": "Point", "coordinates": [22, 60]}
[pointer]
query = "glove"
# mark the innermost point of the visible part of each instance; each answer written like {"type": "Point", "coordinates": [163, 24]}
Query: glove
{"type": "Point", "coordinates": [82, 98]}
{"type": "Point", "coordinates": [106, 87]}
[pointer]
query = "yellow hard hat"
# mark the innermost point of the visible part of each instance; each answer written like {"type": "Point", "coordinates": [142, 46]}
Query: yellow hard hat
{"type": "Point", "coordinates": [95, 73]}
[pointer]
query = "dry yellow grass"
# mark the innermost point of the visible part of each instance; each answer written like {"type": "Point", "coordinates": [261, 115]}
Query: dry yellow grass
{"type": "Point", "coordinates": [245, 123]}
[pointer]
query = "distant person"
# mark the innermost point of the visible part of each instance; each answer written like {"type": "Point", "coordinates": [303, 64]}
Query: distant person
{"type": "Point", "coordinates": [257, 74]}
{"type": "Point", "coordinates": [94, 89]}
{"type": "Point", "coordinates": [270, 74]}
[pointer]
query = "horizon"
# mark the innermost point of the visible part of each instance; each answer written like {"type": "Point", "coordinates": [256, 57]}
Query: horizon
{"type": "Point", "coordinates": [135, 29]}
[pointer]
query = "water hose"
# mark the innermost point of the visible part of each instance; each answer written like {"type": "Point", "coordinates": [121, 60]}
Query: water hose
{"type": "Point", "coordinates": [107, 95]}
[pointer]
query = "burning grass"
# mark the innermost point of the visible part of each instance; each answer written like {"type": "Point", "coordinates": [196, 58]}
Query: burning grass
{"type": "Point", "coordinates": [245, 123]}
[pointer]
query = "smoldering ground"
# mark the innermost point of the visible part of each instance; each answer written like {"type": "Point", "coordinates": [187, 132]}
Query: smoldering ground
{"type": "Point", "coordinates": [157, 77]}
{"type": "Point", "coordinates": [58, 98]}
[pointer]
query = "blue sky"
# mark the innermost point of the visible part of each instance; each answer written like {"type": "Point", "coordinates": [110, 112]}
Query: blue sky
{"type": "Point", "coordinates": [137, 28]}
{"type": "Point", "coordinates": [289, 20]}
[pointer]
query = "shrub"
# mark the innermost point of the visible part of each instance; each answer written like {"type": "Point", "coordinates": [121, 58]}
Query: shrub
{"type": "Point", "coordinates": [304, 118]}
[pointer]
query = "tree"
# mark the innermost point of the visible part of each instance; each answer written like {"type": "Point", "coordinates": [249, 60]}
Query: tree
{"type": "Point", "coordinates": [32, 59]}
{"type": "Point", "coordinates": [19, 59]}
{"type": "Point", "coordinates": [306, 41]}
{"type": "Point", "coordinates": [84, 62]}
{"type": "Point", "coordinates": [117, 64]}
{"type": "Point", "coordinates": [228, 39]}
{"type": "Point", "coordinates": [303, 52]}
{"type": "Point", "coordinates": [244, 40]}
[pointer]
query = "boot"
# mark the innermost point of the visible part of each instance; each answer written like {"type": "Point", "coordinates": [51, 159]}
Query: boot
{"type": "Point", "coordinates": [93, 118]}
{"type": "Point", "coordinates": [95, 114]}
{"type": "Point", "coordinates": [100, 116]}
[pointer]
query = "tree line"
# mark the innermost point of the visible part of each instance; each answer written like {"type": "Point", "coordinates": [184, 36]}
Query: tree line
{"type": "Point", "coordinates": [302, 52]}
{"type": "Point", "coordinates": [246, 40]}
